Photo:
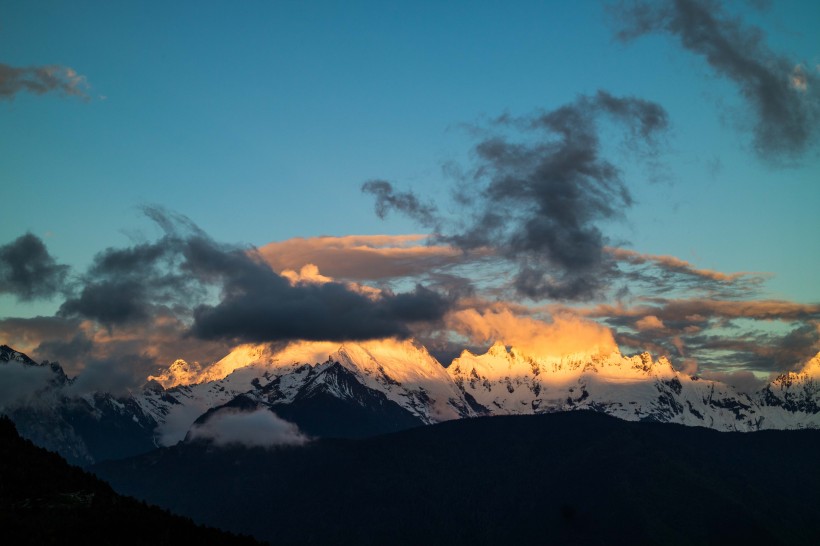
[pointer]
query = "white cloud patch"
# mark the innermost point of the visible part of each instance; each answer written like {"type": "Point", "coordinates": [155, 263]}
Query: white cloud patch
{"type": "Point", "coordinates": [742, 380]}
{"type": "Point", "coordinates": [258, 428]}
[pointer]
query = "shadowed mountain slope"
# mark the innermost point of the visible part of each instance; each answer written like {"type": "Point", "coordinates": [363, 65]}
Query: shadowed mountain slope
{"type": "Point", "coordinates": [44, 500]}
{"type": "Point", "coordinates": [568, 478]}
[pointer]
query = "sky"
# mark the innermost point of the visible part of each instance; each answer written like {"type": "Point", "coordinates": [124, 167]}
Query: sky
{"type": "Point", "coordinates": [179, 178]}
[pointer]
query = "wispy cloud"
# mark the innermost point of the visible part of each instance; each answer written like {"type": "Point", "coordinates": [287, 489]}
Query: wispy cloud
{"type": "Point", "coordinates": [41, 79]}
{"type": "Point", "coordinates": [664, 274]}
{"type": "Point", "coordinates": [783, 98]}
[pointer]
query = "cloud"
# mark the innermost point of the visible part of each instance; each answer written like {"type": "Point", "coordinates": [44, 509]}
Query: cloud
{"type": "Point", "coordinates": [263, 310]}
{"type": "Point", "coordinates": [362, 257]}
{"type": "Point", "coordinates": [649, 322]}
{"type": "Point", "coordinates": [538, 201]}
{"type": "Point", "coordinates": [665, 275]}
{"type": "Point", "coordinates": [21, 384]}
{"type": "Point", "coordinates": [407, 202]}
{"type": "Point", "coordinates": [742, 380]}
{"type": "Point", "coordinates": [566, 334]}
{"type": "Point", "coordinates": [258, 428]}
{"type": "Point", "coordinates": [784, 101]}
{"type": "Point", "coordinates": [308, 274]}
{"type": "Point", "coordinates": [40, 80]}
{"type": "Point", "coordinates": [720, 335]}
{"type": "Point", "coordinates": [28, 271]}
{"type": "Point", "coordinates": [762, 350]}
{"type": "Point", "coordinates": [25, 334]}
{"type": "Point", "coordinates": [695, 309]}
{"type": "Point", "coordinates": [134, 350]}
{"type": "Point", "coordinates": [674, 264]}
{"type": "Point", "coordinates": [800, 79]}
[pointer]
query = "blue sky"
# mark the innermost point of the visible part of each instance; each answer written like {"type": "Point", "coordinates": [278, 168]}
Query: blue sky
{"type": "Point", "coordinates": [260, 121]}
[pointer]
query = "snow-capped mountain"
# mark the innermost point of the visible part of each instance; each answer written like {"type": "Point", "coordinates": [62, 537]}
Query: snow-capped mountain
{"type": "Point", "coordinates": [635, 388]}
{"type": "Point", "coordinates": [365, 388]}
{"type": "Point", "coordinates": [397, 381]}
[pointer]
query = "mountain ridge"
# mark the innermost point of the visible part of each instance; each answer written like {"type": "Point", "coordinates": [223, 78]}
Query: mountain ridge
{"type": "Point", "coordinates": [387, 385]}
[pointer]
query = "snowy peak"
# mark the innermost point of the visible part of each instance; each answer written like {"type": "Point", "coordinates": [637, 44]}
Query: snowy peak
{"type": "Point", "coordinates": [407, 374]}
{"type": "Point", "coordinates": [807, 377]}
{"type": "Point", "coordinates": [499, 363]}
{"type": "Point", "coordinates": [796, 392]}
{"type": "Point", "coordinates": [810, 372]}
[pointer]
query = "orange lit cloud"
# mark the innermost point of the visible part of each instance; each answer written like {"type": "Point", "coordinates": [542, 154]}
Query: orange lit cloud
{"type": "Point", "coordinates": [566, 334]}
{"type": "Point", "coordinates": [649, 322]}
{"type": "Point", "coordinates": [308, 274]}
{"type": "Point", "coordinates": [361, 257]}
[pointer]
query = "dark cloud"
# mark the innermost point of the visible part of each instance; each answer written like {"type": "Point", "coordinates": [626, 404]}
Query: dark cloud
{"type": "Point", "coordinates": [388, 198]}
{"type": "Point", "coordinates": [25, 333]}
{"type": "Point", "coordinates": [783, 96]}
{"type": "Point", "coordinates": [28, 271]}
{"type": "Point", "coordinates": [74, 350]}
{"type": "Point", "coordinates": [264, 309]}
{"type": "Point", "coordinates": [130, 285]}
{"type": "Point", "coordinates": [539, 201]}
{"type": "Point", "coordinates": [179, 273]}
{"type": "Point", "coordinates": [40, 80]}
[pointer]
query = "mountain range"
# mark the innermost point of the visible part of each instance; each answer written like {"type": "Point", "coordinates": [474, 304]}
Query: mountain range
{"type": "Point", "coordinates": [323, 389]}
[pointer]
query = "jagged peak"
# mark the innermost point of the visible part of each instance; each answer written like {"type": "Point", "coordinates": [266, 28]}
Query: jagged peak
{"type": "Point", "coordinates": [498, 349]}
{"type": "Point", "coordinates": [179, 373]}
{"type": "Point", "coordinates": [809, 371]}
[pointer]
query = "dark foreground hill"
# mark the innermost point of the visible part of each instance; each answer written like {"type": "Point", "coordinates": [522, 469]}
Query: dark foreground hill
{"type": "Point", "coordinates": [569, 478]}
{"type": "Point", "coordinates": [44, 500]}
